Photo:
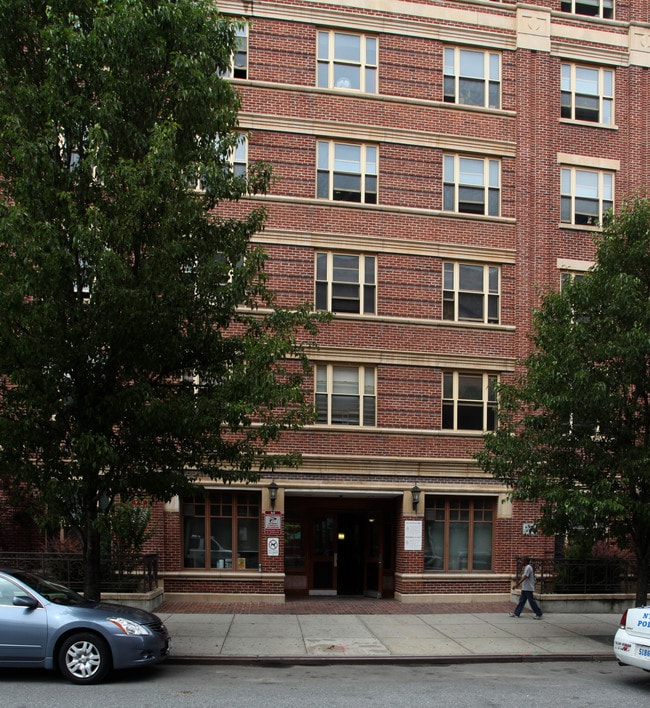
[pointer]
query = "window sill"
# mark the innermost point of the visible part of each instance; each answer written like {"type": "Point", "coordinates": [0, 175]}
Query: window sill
{"type": "Point", "coordinates": [587, 124]}
{"type": "Point", "coordinates": [580, 227]}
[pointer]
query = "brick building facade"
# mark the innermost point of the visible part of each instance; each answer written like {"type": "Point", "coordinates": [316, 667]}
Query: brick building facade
{"type": "Point", "coordinates": [439, 165]}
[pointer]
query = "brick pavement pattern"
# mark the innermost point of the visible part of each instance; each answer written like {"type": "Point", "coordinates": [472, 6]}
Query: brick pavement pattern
{"type": "Point", "coordinates": [333, 606]}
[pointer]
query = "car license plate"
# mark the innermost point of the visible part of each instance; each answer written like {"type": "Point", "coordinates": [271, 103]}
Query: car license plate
{"type": "Point", "coordinates": [644, 652]}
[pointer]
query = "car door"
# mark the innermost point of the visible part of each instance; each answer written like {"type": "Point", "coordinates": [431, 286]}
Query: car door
{"type": "Point", "coordinates": [23, 630]}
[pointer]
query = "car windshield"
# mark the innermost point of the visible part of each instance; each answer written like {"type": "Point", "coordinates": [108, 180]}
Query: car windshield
{"type": "Point", "coordinates": [54, 592]}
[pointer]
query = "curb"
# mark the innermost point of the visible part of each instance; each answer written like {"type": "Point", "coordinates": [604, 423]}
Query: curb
{"type": "Point", "coordinates": [406, 660]}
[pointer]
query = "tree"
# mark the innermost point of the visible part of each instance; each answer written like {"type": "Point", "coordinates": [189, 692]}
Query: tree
{"type": "Point", "coordinates": [574, 430]}
{"type": "Point", "coordinates": [140, 344]}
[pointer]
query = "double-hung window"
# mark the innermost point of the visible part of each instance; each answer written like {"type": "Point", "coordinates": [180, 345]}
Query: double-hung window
{"type": "Point", "coordinates": [470, 293]}
{"type": "Point", "coordinates": [239, 59]}
{"type": "Point", "coordinates": [458, 533]}
{"type": "Point", "coordinates": [592, 8]}
{"type": "Point", "coordinates": [345, 283]}
{"type": "Point", "coordinates": [347, 172]}
{"type": "Point", "coordinates": [586, 196]}
{"type": "Point", "coordinates": [471, 185]}
{"type": "Point", "coordinates": [472, 78]}
{"type": "Point", "coordinates": [587, 94]}
{"type": "Point", "coordinates": [238, 157]}
{"type": "Point", "coordinates": [347, 61]}
{"type": "Point", "coordinates": [566, 278]}
{"type": "Point", "coordinates": [236, 160]}
{"type": "Point", "coordinates": [345, 395]}
{"type": "Point", "coordinates": [222, 530]}
{"type": "Point", "coordinates": [469, 401]}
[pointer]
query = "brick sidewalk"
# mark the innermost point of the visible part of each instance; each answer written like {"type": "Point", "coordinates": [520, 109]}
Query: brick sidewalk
{"type": "Point", "coordinates": [332, 606]}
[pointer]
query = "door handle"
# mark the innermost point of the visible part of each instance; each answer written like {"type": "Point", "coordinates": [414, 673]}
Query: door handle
{"type": "Point", "coordinates": [336, 560]}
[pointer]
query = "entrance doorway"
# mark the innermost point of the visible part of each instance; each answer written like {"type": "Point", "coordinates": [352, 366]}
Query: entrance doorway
{"type": "Point", "coordinates": [350, 549]}
{"type": "Point", "coordinates": [344, 549]}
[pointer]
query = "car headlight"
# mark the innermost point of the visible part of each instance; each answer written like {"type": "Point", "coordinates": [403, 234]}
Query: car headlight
{"type": "Point", "coordinates": [128, 626]}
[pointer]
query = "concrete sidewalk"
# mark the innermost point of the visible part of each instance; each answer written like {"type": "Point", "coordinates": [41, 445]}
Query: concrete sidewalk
{"type": "Point", "coordinates": [215, 636]}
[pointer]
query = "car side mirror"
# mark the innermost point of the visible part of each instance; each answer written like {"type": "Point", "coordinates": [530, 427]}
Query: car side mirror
{"type": "Point", "coordinates": [25, 601]}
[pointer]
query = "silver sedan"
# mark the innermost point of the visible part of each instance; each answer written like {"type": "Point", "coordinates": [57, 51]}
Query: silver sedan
{"type": "Point", "coordinates": [44, 624]}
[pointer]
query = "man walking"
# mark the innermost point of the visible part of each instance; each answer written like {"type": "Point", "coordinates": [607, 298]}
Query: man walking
{"type": "Point", "coordinates": [527, 582]}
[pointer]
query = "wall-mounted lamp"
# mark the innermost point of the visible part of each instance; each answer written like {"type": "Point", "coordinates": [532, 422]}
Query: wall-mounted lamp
{"type": "Point", "coordinates": [415, 493]}
{"type": "Point", "coordinates": [273, 494]}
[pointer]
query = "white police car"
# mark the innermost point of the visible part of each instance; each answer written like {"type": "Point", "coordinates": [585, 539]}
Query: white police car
{"type": "Point", "coordinates": [632, 640]}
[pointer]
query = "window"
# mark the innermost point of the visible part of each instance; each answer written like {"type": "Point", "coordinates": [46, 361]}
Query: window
{"type": "Point", "coordinates": [239, 60]}
{"type": "Point", "coordinates": [347, 61]}
{"type": "Point", "coordinates": [472, 78]}
{"type": "Point", "coordinates": [469, 401]}
{"type": "Point", "coordinates": [238, 157]}
{"type": "Point", "coordinates": [586, 196]}
{"type": "Point", "coordinates": [566, 278]}
{"type": "Point", "coordinates": [471, 185]}
{"type": "Point", "coordinates": [345, 395]}
{"type": "Point", "coordinates": [9, 590]}
{"type": "Point", "coordinates": [587, 94]}
{"type": "Point", "coordinates": [458, 533]}
{"type": "Point", "coordinates": [347, 172]}
{"type": "Point", "coordinates": [345, 283]}
{"type": "Point", "coordinates": [81, 286]}
{"type": "Point", "coordinates": [221, 530]}
{"type": "Point", "coordinates": [593, 8]}
{"type": "Point", "coordinates": [237, 160]}
{"type": "Point", "coordinates": [470, 293]}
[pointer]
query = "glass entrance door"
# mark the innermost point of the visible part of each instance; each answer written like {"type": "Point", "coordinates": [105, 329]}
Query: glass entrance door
{"type": "Point", "coordinates": [324, 560]}
{"type": "Point", "coordinates": [374, 556]}
{"type": "Point", "coordinates": [343, 549]}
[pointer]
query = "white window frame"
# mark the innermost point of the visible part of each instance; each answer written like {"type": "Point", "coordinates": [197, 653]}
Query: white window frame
{"type": "Point", "coordinates": [350, 383]}
{"type": "Point", "coordinates": [239, 58]}
{"type": "Point", "coordinates": [335, 168]}
{"type": "Point", "coordinates": [579, 187]}
{"type": "Point", "coordinates": [590, 8]}
{"type": "Point", "coordinates": [464, 175]}
{"type": "Point", "coordinates": [589, 85]}
{"type": "Point", "coordinates": [237, 160]}
{"type": "Point", "coordinates": [471, 282]}
{"type": "Point", "coordinates": [454, 407]}
{"type": "Point", "coordinates": [338, 68]}
{"type": "Point", "coordinates": [340, 284]}
{"type": "Point", "coordinates": [460, 79]}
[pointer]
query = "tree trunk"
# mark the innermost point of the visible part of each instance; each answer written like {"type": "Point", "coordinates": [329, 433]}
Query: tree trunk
{"type": "Point", "coordinates": [92, 553]}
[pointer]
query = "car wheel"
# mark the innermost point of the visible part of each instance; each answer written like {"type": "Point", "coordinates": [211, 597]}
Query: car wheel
{"type": "Point", "coordinates": [84, 658]}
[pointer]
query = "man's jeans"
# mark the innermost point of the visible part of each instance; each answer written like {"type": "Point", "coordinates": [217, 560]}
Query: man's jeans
{"type": "Point", "coordinates": [527, 595]}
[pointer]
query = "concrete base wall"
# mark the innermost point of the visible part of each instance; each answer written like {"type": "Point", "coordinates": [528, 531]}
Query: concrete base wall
{"type": "Point", "coordinates": [597, 604]}
{"type": "Point", "coordinates": [144, 600]}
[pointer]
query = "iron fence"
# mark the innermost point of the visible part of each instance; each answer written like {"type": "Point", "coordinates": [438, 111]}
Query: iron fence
{"type": "Point", "coordinates": [590, 576]}
{"type": "Point", "coordinates": [128, 573]}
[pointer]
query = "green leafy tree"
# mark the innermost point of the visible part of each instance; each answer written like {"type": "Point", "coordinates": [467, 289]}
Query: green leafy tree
{"type": "Point", "coordinates": [140, 345]}
{"type": "Point", "coordinates": [574, 430]}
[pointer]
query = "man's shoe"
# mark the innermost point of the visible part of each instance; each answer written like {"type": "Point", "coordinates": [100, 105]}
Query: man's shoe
{"type": "Point", "coordinates": [512, 614]}
{"type": "Point", "coordinates": [538, 617]}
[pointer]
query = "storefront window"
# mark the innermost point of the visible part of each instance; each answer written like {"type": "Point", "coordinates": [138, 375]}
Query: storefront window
{"type": "Point", "coordinates": [221, 530]}
{"type": "Point", "coordinates": [458, 533]}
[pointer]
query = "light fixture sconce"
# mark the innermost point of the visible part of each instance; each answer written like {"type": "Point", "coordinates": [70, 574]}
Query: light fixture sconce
{"type": "Point", "coordinates": [415, 493]}
{"type": "Point", "coordinates": [273, 494]}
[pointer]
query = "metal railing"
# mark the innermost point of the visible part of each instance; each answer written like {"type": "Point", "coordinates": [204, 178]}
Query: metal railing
{"type": "Point", "coordinates": [590, 576]}
{"type": "Point", "coordinates": [130, 573]}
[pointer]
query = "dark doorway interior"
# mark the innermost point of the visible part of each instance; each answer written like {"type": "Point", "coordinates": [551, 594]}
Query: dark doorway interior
{"type": "Point", "coordinates": [350, 554]}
